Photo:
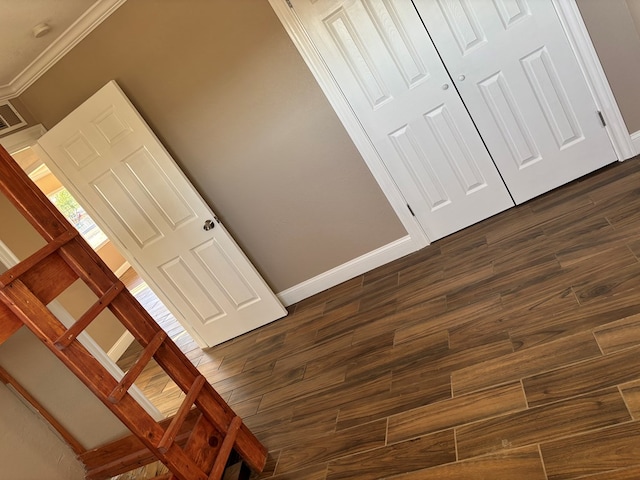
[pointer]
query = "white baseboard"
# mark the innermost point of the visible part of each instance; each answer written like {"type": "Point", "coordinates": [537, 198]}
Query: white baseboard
{"type": "Point", "coordinates": [635, 139]}
{"type": "Point", "coordinates": [123, 268]}
{"type": "Point", "coordinates": [348, 270]}
{"type": "Point", "coordinates": [120, 346]}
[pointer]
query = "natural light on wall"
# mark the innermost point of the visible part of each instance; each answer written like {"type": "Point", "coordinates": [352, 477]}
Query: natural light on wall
{"type": "Point", "coordinates": [68, 205]}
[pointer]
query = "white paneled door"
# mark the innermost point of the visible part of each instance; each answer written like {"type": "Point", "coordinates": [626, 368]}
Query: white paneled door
{"type": "Point", "coordinates": [390, 72]}
{"type": "Point", "coordinates": [115, 166]}
{"type": "Point", "coordinates": [518, 76]}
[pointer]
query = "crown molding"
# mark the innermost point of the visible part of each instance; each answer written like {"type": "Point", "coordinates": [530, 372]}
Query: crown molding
{"type": "Point", "coordinates": [82, 27]}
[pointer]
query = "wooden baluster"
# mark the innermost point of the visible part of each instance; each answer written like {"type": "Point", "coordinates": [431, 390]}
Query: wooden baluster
{"type": "Point", "coordinates": [89, 316]}
{"type": "Point", "coordinates": [135, 371]}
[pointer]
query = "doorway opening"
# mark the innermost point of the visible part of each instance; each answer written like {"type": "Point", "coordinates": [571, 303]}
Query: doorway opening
{"type": "Point", "coordinates": [51, 186]}
{"type": "Point", "coordinates": [119, 345]}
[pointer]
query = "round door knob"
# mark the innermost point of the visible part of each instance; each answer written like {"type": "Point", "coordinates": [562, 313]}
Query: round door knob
{"type": "Point", "coordinates": [461, 78]}
{"type": "Point", "coordinates": [445, 86]}
{"type": "Point", "coordinates": [208, 225]}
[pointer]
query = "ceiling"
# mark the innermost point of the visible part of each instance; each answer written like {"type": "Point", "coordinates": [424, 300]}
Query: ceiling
{"type": "Point", "coordinates": [24, 57]}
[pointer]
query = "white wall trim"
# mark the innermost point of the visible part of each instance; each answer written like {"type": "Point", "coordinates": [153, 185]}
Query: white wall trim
{"type": "Point", "coordinates": [585, 52]}
{"type": "Point", "coordinates": [8, 259]}
{"type": "Point", "coordinates": [82, 27]}
{"type": "Point", "coordinates": [327, 83]}
{"type": "Point", "coordinates": [364, 263]}
{"type": "Point", "coordinates": [122, 268]}
{"type": "Point", "coordinates": [22, 139]}
{"type": "Point", "coordinates": [635, 139]}
{"type": "Point", "coordinates": [120, 346]}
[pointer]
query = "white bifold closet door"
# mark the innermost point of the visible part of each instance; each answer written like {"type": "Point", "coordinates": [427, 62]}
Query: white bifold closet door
{"type": "Point", "coordinates": [386, 65]}
{"type": "Point", "coordinates": [518, 76]}
{"type": "Point", "coordinates": [421, 78]}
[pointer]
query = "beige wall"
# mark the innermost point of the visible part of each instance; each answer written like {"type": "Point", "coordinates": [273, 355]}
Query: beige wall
{"type": "Point", "coordinates": [28, 360]}
{"type": "Point", "coordinates": [26, 115]}
{"type": "Point", "coordinates": [111, 256]}
{"type": "Point", "coordinates": [29, 449]}
{"type": "Point", "coordinates": [615, 37]}
{"type": "Point", "coordinates": [226, 91]}
{"type": "Point", "coordinates": [634, 10]}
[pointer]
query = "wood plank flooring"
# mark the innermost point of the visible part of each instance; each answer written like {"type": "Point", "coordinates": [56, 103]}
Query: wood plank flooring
{"type": "Point", "coordinates": [510, 350]}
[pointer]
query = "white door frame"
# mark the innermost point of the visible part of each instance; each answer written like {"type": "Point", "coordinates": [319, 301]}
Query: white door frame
{"type": "Point", "coordinates": [581, 44]}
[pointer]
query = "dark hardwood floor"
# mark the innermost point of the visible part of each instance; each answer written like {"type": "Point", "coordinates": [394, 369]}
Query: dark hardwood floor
{"type": "Point", "coordinates": [510, 350]}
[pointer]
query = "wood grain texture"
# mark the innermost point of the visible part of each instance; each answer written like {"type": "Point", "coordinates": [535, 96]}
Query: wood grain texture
{"type": "Point", "coordinates": [314, 472]}
{"type": "Point", "coordinates": [525, 363]}
{"type": "Point", "coordinates": [428, 451]}
{"type": "Point", "coordinates": [631, 395]}
{"type": "Point", "coordinates": [619, 335]}
{"type": "Point", "coordinates": [589, 375]}
{"type": "Point", "coordinates": [578, 414]}
{"type": "Point", "coordinates": [347, 442]}
{"type": "Point", "coordinates": [523, 463]}
{"type": "Point", "coordinates": [455, 412]}
{"type": "Point", "coordinates": [485, 310]}
{"type": "Point", "coordinates": [595, 452]}
{"type": "Point", "coordinates": [387, 403]}
{"type": "Point", "coordinates": [632, 473]}
{"type": "Point", "coordinates": [9, 323]}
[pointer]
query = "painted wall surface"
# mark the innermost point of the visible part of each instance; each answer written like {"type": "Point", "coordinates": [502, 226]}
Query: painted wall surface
{"type": "Point", "coordinates": [29, 450]}
{"type": "Point", "coordinates": [612, 29]}
{"type": "Point", "coordinates": [634, 9]}
{"type": "Point", "coordinates": [228, 94]}
{"type": "Point", "coordinates": [24, 113]}
{"type": "Point", "coordinates": [44, 376]}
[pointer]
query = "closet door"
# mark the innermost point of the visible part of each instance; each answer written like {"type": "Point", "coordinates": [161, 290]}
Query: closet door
{"type": "Point", "coordinates": [390, 72]}
{"type": "Point", "coordinates": [517, 74]}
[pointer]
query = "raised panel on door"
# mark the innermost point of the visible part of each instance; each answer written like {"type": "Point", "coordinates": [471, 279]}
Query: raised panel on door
{"type": "Point", "coordinates": [518, 76]}
{"type": "Point", "coordinates": [392, 77]}
{"type": "Point", "coordinates": [124, 177]}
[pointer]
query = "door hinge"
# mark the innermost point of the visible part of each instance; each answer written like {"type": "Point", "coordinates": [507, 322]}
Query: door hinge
{"type": "Point", "coordinates": [411, 210]}
{"type": "Point", "coordinates": [604, 124]}
{"type": "Point", "coordinates": [289, 3]}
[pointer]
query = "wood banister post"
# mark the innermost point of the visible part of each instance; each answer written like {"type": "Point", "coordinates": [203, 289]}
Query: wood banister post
{"type": "Point", "coordinates": [174, 428]}
{"type": "Point", "coordinates": [135, 371]}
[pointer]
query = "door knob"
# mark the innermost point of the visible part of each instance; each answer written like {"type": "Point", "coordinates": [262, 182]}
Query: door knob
{"type": "Point", "coordinates": [208, 225]}
{"type": "Point", "coordinates": [461, 78]}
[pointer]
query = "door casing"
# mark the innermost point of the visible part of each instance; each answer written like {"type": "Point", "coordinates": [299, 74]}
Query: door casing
{"type": "Point", "coordinates": [581, 45]}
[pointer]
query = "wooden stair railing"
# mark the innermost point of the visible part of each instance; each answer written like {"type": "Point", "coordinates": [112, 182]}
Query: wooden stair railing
{"type": "Point", "coordinates": [25, 290]}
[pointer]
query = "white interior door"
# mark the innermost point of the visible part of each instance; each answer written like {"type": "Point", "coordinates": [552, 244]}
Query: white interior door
{"type": "Point", "coordinates": [391, 74]}
{"type": "Point", "coordinates": [117, 169]}
{"type": "Point", "coordinates": [519, 78]}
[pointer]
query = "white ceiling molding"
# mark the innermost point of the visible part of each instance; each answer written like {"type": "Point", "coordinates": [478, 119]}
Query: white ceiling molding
{"type": "Point", "coordinates": [82, 27]}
